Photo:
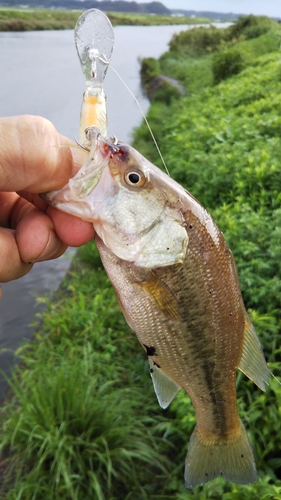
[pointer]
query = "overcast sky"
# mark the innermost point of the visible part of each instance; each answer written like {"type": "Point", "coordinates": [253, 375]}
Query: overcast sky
{"type": "Point", "coordinates": [258, 7]}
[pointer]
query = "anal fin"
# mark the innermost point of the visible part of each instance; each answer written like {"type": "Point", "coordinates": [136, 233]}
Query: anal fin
{"type": "Point", "coordinates": [252, 362]}
{"type": "Point", "coordinates": [165, 389]}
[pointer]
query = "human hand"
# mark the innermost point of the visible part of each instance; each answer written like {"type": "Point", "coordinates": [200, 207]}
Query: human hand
{"type": "Point", "coordinates": [35, 159]}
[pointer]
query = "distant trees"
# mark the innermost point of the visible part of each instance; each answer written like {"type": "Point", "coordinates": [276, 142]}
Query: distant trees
{"type": "Point", "coordinates": [106, 5]}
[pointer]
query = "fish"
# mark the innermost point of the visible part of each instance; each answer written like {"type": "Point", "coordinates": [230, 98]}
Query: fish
{"type": "Point", "coordinates": [177, 284]}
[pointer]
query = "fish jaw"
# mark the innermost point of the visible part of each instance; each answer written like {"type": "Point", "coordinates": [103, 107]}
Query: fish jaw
{"type": "Point", "coordinates": [75, 197]}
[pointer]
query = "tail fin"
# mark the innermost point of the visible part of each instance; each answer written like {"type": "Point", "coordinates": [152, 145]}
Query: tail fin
{"type": "Point", "coordinates": [232, 458]}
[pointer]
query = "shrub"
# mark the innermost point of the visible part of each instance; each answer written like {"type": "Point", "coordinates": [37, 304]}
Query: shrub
{"type": "Point", "coordinates": [226, 64]}
{"type": "Point", "coordinates": [150, 68]}
{"type": "Point", "coordinates": [163, 89]}
{"type": "Point", "coordinates": [248, 24]}
{"type": "Point", "coordinates": [256, 31]}
{"type": "Point", "coordinates": [198, 41]}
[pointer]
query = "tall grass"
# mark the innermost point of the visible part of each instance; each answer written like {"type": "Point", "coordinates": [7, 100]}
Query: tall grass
{"type": "Point", "coordinates": [73, 438]}
{"type": "Point", "coordinates": [83, 422]}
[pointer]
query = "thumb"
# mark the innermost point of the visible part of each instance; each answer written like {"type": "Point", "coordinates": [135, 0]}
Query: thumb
{"type": "Point", "coordinates": [34, 156]}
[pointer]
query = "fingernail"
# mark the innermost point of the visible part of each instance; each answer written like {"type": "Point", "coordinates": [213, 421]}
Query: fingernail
{"type": "Point", "coordinates": [52, 249]}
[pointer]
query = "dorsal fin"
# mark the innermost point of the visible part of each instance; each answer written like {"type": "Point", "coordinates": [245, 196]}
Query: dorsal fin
{"type": "Point", "coordinates": [165, 388]}
{"type": "Point", "coordinates": [252, 362]}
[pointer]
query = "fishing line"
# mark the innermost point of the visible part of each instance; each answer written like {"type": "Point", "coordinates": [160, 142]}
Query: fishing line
{"type": "Point", "coordinates": [275, 377]}
{"type": "Point", "coordinates": [144, 117]}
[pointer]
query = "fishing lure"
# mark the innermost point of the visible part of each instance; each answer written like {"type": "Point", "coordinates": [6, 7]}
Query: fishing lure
{"type": "Point", "coordinates": [94, 41]}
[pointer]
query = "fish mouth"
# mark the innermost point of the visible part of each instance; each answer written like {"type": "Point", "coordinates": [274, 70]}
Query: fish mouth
{"type": "Point", "coordinates": [74, 197]}
{"type": "Point", "coordinates": [89, 174]}
{"type": "Point", "coordinates": [95, 139]}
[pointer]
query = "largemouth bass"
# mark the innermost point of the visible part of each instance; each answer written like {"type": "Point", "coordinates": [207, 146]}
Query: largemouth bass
{"type": "Point", "coordinates": [177, 284]}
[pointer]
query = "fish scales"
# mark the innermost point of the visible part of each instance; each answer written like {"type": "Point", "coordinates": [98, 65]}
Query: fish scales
{"type": "Point", "coordinates": [193, 350]}
{"type": "Point", "coordinates": [177, 284]}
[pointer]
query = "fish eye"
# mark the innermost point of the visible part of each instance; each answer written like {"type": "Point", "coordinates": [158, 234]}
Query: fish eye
{"type": "Point", "coordinates": [135, 177]}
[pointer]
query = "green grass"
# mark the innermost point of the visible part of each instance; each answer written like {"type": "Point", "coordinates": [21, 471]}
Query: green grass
{"type": "Point", "coordinates": [75, 438]}
{"type": "Point", "coordinates": [155, 20]}
{"type": "Point", "coordinates": [55, 19]}
{"type": "Point", "coordinates": [202, 56]}
{"type": "Point", "coordinates": [222, 142]}
{"type": "Point", "coordinates": [83, 421]}
{"type": "Point", "coordinates": [37, 19]}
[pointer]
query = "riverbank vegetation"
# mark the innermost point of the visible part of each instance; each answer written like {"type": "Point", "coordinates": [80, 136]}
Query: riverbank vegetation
{"type": "Point", "coordinates": [84, 422]}
{"type": "Point", "coordinates": [222, 142]}
{"type": "Point", "coordinates": [53, 19]}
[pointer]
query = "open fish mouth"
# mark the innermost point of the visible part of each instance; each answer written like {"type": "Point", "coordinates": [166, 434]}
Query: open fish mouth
{"type": "Point", "coordinates": [86, 179]}
{"type": "Point", "coordinates": [74, 197]}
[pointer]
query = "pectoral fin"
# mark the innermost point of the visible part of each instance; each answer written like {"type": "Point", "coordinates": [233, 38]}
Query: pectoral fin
{"type": "Point", "coordinates": [162, 297]}
{"type": "Point", "coordinates": [165, 388]}
{"type": "Point", "coordinates": [252, 361]}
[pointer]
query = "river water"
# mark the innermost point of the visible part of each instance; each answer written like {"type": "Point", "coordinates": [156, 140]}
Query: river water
{"type": "Point", "coordinates": [40, 74]}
